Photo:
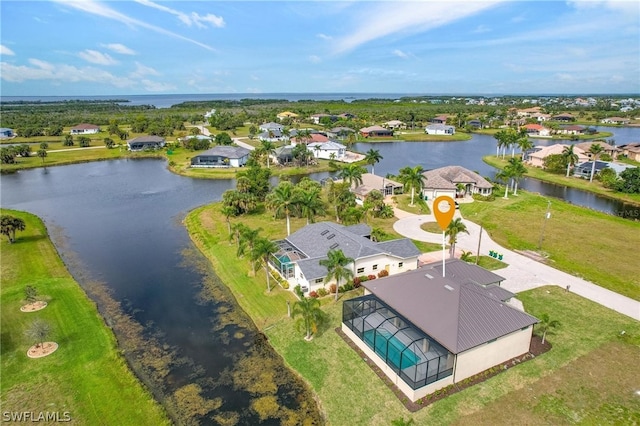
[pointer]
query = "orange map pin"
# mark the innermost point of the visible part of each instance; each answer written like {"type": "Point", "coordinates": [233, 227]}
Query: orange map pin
{"type": "Point", "coordinates": [444, 216]}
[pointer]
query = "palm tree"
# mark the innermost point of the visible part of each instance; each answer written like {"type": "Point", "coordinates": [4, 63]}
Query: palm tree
{"type": "Point", "coordinates": [524, 143]}
{"type": "Point", "coordinates": [228, 211]}
{"type": "Point", "coordinates": [39, 331]}
{"type": "Point", "coordinates": [282, 199]}
{"type": "Point", "coordinates": [595, 151]}
{"type": "Point", "coordinates": [570, 157]}
{"type": "Point", "coordinates": [268, 148]}
{"type": "Point", "coordinates": [42, 153]}
{"type": "Point", "coordinates": [505, 176]}
{"type": "Point", "coordinates": [310, 204]}
{"type": "Point", "coordinates": [546, 324]}
{"type": "Point", "coordinates": [372, 157]}
{"type": "Point", "coordinates": [455, 227]}
{"type": "Point", "coordinates": [516, 170]}
{"type": "Point", "coordinates": [341, 197]}
{"type": "Point", "coordinates": [352, 174]}
{"type": "Point", "coordinates": [336, 264]}
{"type": "Point", "coordinates": [263, 249]}
{"type": "Point", "coordinates": [246, 239]}
{"type": "Point", "coordinates": [311, 316]}
{"type": "Point", "coordinates": [9, 225]}
{"type": "Point", "coordinates": [411, 177]}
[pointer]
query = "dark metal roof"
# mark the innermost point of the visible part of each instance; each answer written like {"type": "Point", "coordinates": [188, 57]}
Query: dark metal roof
{"type": "Point", "coordinates": [226, 151]}
{"type": "Point", "coordinates": [458, 313]}
{"type": "Point", "coordinates": [147, 139]}
{"type": "Point", "coordinates": [464, 272]}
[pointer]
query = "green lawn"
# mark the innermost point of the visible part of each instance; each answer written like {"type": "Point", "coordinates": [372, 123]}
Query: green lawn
{"type": "Point", "coordinates": [579, 241]}
{"type": "Point", "coordinates": [87, 376]}
{"type": "Point", "coordinates": [561, 179]}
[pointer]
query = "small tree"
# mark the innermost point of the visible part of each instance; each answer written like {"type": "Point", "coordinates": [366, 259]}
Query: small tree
{"type": "Point", "coordinates": [311, 316]}
{"type": "Point", "coordinates": [30, 294]}
{"type": "Point", "coordinates": [547, 325]}
{"type": "Point", "coordinates": [9, 225]}
{"type": "Point", "coordinates": [42, 153]}
{"type": "Point", "coordinates": [39, 331]}
{"type": "Point", "coordinates": [109, 143]}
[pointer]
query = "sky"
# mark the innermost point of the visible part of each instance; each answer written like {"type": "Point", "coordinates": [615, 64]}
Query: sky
{"type": "Point", "coordinates": [129, 47]}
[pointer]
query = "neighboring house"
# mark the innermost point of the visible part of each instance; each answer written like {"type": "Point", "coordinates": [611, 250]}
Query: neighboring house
{"type": "Point", "coordinates": [298, 259]}
{"type": "Point", "coordinates": [441, 119]}
{"type": "Point", "coordinates": [445, 180]}
{"type": "Point", "coordinates": [563, 117]}
{"type": "Point", "coordinates": [615, 120]}
{"type": "Point", "coordinates": [328, 150]}
{"type": "Point", "coordinates": [287, 114]}
{"type": "Point", "coordinates": [85, 129]}
{"type": "Point", "coordinates": [340, 132]}
{"type": "Point", "coordinates": [611, 150]}
{"type": "Point", "coordinates": [284, 154]}
{"type": "Point", "coordinates": [265, 127]}
{"type": "Point", "coordinates": [6, 133]}
{"type": "Point", "coordinates": [142, 143]}
{"type": "Point", "coordinates": [273, 136]}
{"type": "Point", "coordinates": [395, 125]}
{"type": "Point", "coordinates": [371, 182]}
{"type": "Point", "coordinates": [540, 116]}
{"type": "Point", "coordinates": [476, 124]}
{"type": "Point", "coordinates": [311, 139]}
{"type": "Point", "coordinates": [426, 331]}
{"type": "Point", "coordinates": [527, 112]}
{"type": "Point", "coordinates": [316, 118]}
{"type": "Point", "coordinates": [572, 130]}
{"type": "Point", "coordinates": [536, 156]}
{"type": "Point", "coordinates": [374, 131]}
{"type": "Point", "coordinates": [631, 150]}
{"type": "Point", "coordinates": [440, 129]}
{"type": "Point", "coordinates": [221, 156]}
{"type": "Point", "coordinates": [584, 169]}
{"type": "Point", "coordinates": [536, 130]}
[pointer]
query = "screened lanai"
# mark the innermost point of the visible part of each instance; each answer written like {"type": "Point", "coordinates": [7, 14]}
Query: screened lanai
{"type": "Point", "coordinates": [412, 354]}
{"type": "Point", "coordinates": [283, 259]}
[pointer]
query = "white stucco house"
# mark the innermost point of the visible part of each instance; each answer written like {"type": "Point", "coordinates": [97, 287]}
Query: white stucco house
{"type": "Point", "coordinates": [327, 150]}
{"type": "Point", "coordinates": [84, 129]}
{"type": "Point", "coordinates": [426, 331]}
{"type": "Point", "coordinates": [298, 259]}
{"type": "Point", "coordinates": [440, 129]}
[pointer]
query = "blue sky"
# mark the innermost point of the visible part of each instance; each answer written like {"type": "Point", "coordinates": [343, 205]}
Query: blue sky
{"type": "Point", "coordinates": [88, 47]}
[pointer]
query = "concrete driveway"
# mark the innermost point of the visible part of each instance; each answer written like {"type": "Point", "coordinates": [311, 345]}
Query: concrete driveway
{"type": "Point", "coordinates": [523, 273]}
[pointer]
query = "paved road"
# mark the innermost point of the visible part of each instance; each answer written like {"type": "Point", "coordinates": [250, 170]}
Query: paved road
{"type": "Point", "coordinates": [523, 273]}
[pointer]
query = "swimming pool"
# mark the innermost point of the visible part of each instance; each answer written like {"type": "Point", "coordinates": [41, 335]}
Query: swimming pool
{"type": "Point", "coordinates": [390, 348]}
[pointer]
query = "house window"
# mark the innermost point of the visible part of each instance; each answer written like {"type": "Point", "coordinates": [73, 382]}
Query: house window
{"type": "Point", "coordinates": [319, 280]}
{"type": "Point", "coordinates": [375, 267]}
{"type": "Point", "coordinates": [360, 271]}
{"type": "Point", "coordinates": [400, 264]}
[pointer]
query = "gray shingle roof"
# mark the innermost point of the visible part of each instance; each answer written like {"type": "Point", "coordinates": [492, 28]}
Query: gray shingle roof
{"type": "Point", "coordinates": [447, 178]}
{"type": "Point", "coordinates": [226, 151]}
{"type": "Point", "coordinates": [459, 314]}
{"type": "Point", "coordinates": [147, 139]}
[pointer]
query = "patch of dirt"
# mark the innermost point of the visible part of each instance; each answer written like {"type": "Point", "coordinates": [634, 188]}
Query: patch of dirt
{"type": "Point", "coordinates": [42, 350]}
{"type": "Point", "coordinates": [33, 307]}
{"type": "Point", "coordinates": [533, 255]}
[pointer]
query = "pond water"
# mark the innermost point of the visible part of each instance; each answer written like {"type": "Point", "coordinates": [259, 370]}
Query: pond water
{"type": "Point", "coordinates": [119, 222]}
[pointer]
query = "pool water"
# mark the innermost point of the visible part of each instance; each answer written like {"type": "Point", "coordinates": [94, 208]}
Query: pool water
{"type": "Point", "coordinates": [390, 348]}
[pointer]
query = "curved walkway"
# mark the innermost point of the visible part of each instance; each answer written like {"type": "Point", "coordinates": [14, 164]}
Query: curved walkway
{"type": "Point", "coordinates": [523, 273]}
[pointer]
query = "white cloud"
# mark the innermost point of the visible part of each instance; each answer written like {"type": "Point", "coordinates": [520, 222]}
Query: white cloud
{"type": "Point", "coordinates": [143, 70]}
{"type": "Point", "coordinates": [385, 19]}
{"type": "Point", "coordinates": [4, 50]}
{"type": "Point", "coordinates": [324, 36]}
{"type": "Point", "coordinates": [481, 29]}
{"type": "Point", "coordinates": [94, 8]}
{"type": "Point", "coordinates": [188, 19]}
{"type": "Point", "coordinates": [96, 57]}
{"type": "Point", "coordinates": [314, 59]}
{"type": "Point", "coordinates": [119, 48]}
{"type": "Point", "coordinates": [154, 86]}
{"type": "Point", "coordinates": [400, 54]}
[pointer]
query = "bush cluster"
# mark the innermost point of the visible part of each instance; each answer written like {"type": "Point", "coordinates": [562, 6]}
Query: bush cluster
{"type": "Point", "coordinates": [479, 197]}
{"type": "Point", "coordinates": [383, 273]}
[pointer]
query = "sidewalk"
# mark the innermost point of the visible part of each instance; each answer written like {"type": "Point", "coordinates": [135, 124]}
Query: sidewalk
{"type": "Point", "coordinates": [523, 273]}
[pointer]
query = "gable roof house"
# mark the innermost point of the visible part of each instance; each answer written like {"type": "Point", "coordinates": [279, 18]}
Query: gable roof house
{"type": "Point", "coordinates": [631, 150]}
{"type": "Point", "coordinates": [286, 114]}
{"type": "Point", "coordinates": [371, 182]}
{"type": "Point", "coordinates": [265, 127]}
{"type": "Point", "coordinates": [440, 119]}
{"type": "Point", "coordinates": [373, 131]}
{"type": "Point", "coordinates": [395, 124]}
{"type": "Point", "coordinates": [445, 180]}
{"type": "Point", "coordinates": [221, 156]}
{"type": "Point", "coordinates": [536, 156]}
{"type": "Point", "coordinates": [611, 150]}
{"type": "Point", "coordinates": [426, 331]}
{"type": "Point", "coordinates": [142, 143]}
{"type": "Point", "coordinates": [584, 169]}
{"type": "Point", "coordinates": [536, 130]}
{"type": "Point", "coordinates": [573, 129]}
{"type": "Point", "coordinates": [298, 259]}
{"type": "Point", "coordinates": [328, 150]}
{"type": "Point", "coordinates": [440, 129]}
{"type": "Point", "coordinates": [310, 139]}
{"type": "Point", "coordinates": [615, 120]}
{"type": "Point", "coordinates": [84, 129]}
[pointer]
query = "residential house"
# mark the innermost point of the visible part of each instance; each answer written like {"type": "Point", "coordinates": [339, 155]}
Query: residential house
{"type": "Point", "coordinates": [584, 169]}
{"type": "Point", "coordinates": [298, 259]}
{"type": "Point", "coordinates": [537, 130]}
{"type": "Point", "coordinates": [286, 114]}
{"type": "Point", "coordinates": [528, 112]}
{"type": "Point", "coordinates": [536, 156]}
{"type": "Point", "coordinates": [284, 154]}
{"type": "Point", "coordinates": [631, 151]}
{"type": "Point", "coordinates": [541, 116]}
{"type": "Point", "coordinates": [222, 156]}
{"type": "Point", "coordinates": [572, 130]}
{"type": "Point", "coordinates": [610, 150]}
{"type": "Point", "coordinates": [394, 125]}
{"type": "Point", "coordinates": [375, 131]}
{"type": "Point", "coordinates": [440, 119]}
{"type": "Point", "coordinates": [312, 138]}
{"type": "Point", "coordinates": [445, 181]}
{"type": "Point", "coordinates": [615, 120]}
{"type": "Point", "coordinates": [143, 143]}
{"type": "Point", "coordinates": [371, 182]}
{"type": "Point", "coordinates": [271, 126]}
{"type": "Point", "coordinates": [475, 123]}
{"type": "Point", "coordinates": [85, 129]}
{"type": "Point", "coordinates": [440, 129]}
{"type": "Point", "coordinates": [563, 117]}
{"type": "Point", "coordinates": [6, 133]}
{"type": "Point", "coordinates": [328, 150]}
{"type": "Point", "coordinates": [273, 136]}
{"type": "Point", "coordinates": [340, 132]}
{"type": "Point", "coordinates": [317, 118]}
{"type": "Point", "coordinates": [426, 331]}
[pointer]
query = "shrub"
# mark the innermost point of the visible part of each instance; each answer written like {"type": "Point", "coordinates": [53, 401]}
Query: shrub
{"type": "Point", "coordinates": [357, 284]}
{"type": "Point", "coordinates": [285, 285]}
{"type": "Point", "coordinates": [356, 281]}
{"type": "Point", "coordinates": [479, 197]}
{"type": "Point", "coordinates": [322, 292]}
{"type": "Point", "coordinates": [341, 289]}
{"type": "Point", "coordinates": [371, 277]}
{"type": "Point", "coordinates": [332, 288]}
{"type": "Point", "coordinates": [348, 287]}
{"type": "Point", "coordinates": [363, 278]}
{"type": "Point", "coordinates": [314, 294]}
{"type": "Point", "coordinates": [383, 273]}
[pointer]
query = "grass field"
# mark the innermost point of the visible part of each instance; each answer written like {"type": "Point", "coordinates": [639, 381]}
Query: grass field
{"type": "Point", "coordinates": [583, 242]}
{"type": "Point", "coordinates": [572, 182]}
{"type": "Point", "coordinates": [87, 376]}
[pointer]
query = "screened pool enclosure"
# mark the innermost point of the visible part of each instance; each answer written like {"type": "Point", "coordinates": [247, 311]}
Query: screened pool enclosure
{"type": "Point", "coordinates": [412, 354]}
{"type": "Point", "coordinates": [283, 259]}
